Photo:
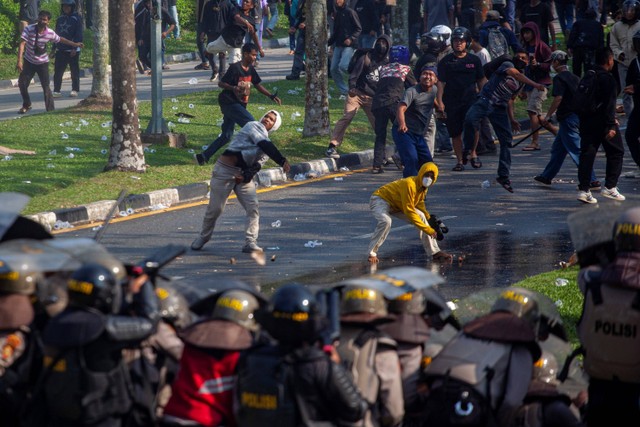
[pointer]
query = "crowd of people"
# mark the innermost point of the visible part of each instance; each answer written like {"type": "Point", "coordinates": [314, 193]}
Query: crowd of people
{"type": "Point", "coordinates": [89, 340]}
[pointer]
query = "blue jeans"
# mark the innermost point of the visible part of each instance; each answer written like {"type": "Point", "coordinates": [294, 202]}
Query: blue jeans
{"type": "Point", "coordinates": [173, 10]}
{"type": "Point", "coordinates": [499, 119]}
{"type": "Point", "coordinates": [234, 114]}
{"type": "Point", "coordinates": [273, 11]}
{"type": "Point", "coordinates": [339, 67]}
{"type": "Point", "coordinates": [565, 16]}
{"type": "Point", "coordinates": [511, 14]}
{"type": "Point", "coordinates": [366, 40]}
{"type": "Point", "coordinates": [412, 149]}
{"type": "Point", "coordinates": [566, 142]}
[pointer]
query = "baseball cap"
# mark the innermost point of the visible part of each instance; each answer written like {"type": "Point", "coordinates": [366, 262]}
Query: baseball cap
{"type": "Point", "coordinates": [493, 15]}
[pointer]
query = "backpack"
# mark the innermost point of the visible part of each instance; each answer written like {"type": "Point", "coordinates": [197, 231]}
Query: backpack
{"type": "Point", "coordinates": [264, 390]}
{"type": "Point", "coordinates": [490, 67]}
{"type": "Point", "coordinates": [584, 98]}
{"type": "Point", "coordinates": [497, 43]}
{"type": "Point", "coordinates": [357, 54]}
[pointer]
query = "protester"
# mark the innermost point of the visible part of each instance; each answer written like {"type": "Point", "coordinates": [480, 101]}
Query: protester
{"type": "Point", "coordinates": [298, 27]}
{"type": "Point", "coordinates": [600, 127]}
{"type": "Point", "coordinates": [317, 390]}
{"type": "Point", "coordinates": [173, 10]}
{"type": "Point", "coordinates": [363, 81]}
{"type": "Point", "coordinates": [498, 39]}
{"type": "Point", "coordinates": [200, 41]}
{"type": "Point", "coordinates": [234, 171]}
{"type": "Point", "coordinates": [437, 12]}
{"type": "Point", "coordinates": [69, 25]}
{"type": "Point", "coordinates": [236, 88]}
{"type": "Point", "coordinates": [395, 77]}
{"type": "Point", "coordinates": [460, 78]}
{"type": "Point", "coordinates": [540, 13]}
{"type": "Point", "coordinates": [343, 41]}
{"type": "Point", "coordinates": [495, 101]}
{"type": "Point", "coordinates": [144, 16]}
{"type": "Point", "coordinates": [414, 112]}
{"type": "Point", "coordinates": [567, 140]}
{"type": "Point", "coordinates": [405, 199]}
{"type": "Point", "coordinates": [621, 43]}
{"type": "Point", "coordinates": [369, 20]}
{"type": "Point", "coordinates": [371, 355]}
{"type": "Point", "coordinates": [585, 37]}
{"type": "Point", "coordinates": [238, 24]}
{"type": "Point", "coordinates": [214, 15]}
{"type": "Point", "coordinates": [28, 13]}
{"type": "Point", "coordinates": [632, 86]}
{"type": "Point", "coordinates": [34, 59]}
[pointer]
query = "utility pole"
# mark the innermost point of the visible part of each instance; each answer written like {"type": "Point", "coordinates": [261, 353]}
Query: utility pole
{"type": "Point", "coordinates": [157, 125]}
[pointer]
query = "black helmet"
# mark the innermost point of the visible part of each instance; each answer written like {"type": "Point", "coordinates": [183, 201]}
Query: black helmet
{"type": "Point", "coordinates": [71, 3]}
{"type": "Point", "coordinates": [631, 5]}
{"type": "Point", "coordinates": [237, 306]}
{"type": "Point", "coordinates": [174, 308]}
{"type": "Point", "coordinates": [626, 230]}
{"type": "Point", "coordinates": [13, 281]}
{"type": "Point", "coordinates": [93, 286]}
{"type": "Point", "coordinates": [293, 316]}
{"type": "Point", "coordinates": [461, 33]}
{"type": "Point", "coordinates": [432, 42]}
{"type": "Point", "coordinates": [519, 302]}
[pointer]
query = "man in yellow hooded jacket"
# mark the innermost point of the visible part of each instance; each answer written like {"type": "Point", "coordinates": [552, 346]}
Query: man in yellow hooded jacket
{"type": "Point", "coordinates": [405, 199]}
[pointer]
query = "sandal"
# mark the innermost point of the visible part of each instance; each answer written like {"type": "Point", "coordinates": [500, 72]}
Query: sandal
{"type": "Point", "coordinates": [23, 110]}
{"type": "Point", "coordinates": [505, 182]}
{"type": "Point", "coordinates": [377, 170]}
{"type": "Point", "coordinates": [475, 163]}
{"type": "Point", "coordinates": [458, 168]}
{"type": "Point", "coordinates": [531, 148]}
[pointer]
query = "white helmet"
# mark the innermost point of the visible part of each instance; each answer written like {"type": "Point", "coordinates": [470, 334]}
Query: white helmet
{"type": "Point", "coordinates": [444, 31]}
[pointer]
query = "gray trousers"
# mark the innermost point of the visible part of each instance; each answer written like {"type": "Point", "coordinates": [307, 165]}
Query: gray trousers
{"type": "Point", "coordinates": [222, 184]}
{"type": "Point", "coordinates": [382, 213]}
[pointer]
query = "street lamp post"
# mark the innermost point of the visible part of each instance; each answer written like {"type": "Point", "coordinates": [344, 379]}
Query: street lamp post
{"type": "Point", "coordinates": [157, 125]}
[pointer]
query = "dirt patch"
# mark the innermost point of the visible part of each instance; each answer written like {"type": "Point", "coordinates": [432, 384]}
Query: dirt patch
{"type": "Point", "coordinates": [94, 103]}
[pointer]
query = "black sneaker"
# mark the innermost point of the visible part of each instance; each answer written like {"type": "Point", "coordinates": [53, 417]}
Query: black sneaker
{"type": "Point", "coordinates": [214, 76]}
{"type": "Point", "coordinates": [543, 180]}
{"type": "Point", "coordinates": [200, 160]}
{"type": "Point", "coordinates": [595, 185]}
{"type": "Point", "coordinates": [292, 77]}
{"type": "Point", "coordinates": [140, 66]}
{"type": "Point", "coordinates": [332, 153]}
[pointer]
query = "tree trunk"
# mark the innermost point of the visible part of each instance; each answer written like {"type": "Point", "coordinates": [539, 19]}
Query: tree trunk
{"type": "Point", "coordinates": [126, 148]}
{"type": "Point", "coordinates": [400, 23]}
{"type": "Point", "coordinates": [100, 83]}
{"type": "Point", "coordinates": [316, 117]}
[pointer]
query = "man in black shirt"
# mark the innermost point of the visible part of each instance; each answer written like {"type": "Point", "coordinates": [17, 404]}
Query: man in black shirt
{"type": "Point", "coordinates": [213, 22]}
{"type": "Point", "coordinates": [540, 13]}
{"type": "Point", "coordinates": [233, 100]}
{"type": "Point", "coordinates": [239, 23]}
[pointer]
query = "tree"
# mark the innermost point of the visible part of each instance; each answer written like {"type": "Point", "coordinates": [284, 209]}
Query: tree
{"type": "Point", "coordinates": [126, 148]}
{"type": "Point", "coordinates": [100, 89]}
{"type": "Point", "coordinates": [316, 117]}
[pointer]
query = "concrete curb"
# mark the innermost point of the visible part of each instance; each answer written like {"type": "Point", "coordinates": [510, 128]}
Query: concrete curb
{"type": "Point", "coordinates": [162, 199]}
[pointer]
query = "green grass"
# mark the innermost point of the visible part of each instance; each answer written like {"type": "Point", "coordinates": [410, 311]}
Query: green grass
{"type": "Point", "coordinates": [55, 181]}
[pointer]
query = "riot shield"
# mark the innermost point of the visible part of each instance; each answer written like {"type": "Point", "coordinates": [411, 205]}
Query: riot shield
{"type": "Point", "coordinates": [12, 225]}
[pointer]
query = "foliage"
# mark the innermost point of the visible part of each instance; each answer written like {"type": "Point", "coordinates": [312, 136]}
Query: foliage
{"type": "Point", "coordinates": [8, 27]}
{"type": "Point", "coordinates": [187, 14]}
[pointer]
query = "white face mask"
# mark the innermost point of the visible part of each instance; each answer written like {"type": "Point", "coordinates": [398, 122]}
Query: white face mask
{"type": "Point", "coordinates": [426, 181]}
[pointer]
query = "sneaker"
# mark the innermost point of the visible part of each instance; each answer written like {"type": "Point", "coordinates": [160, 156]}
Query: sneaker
{"type": "Point", "coordinates": [376, 170]}
{"type": "Point", "coordinates": [73, 94]}
{"type": "Point", "coordinates": [198, 243]}
{"type": "Point", "coordinates": [251, 247]}
{"type": "Point", "coordinates": [332, 153]}
{"type": "Point", "coordinates": [140, 66]}
{"type": "Point", "coordinates": [199, 158]}
{"type": "Point", "coordinates": [612, 193]}
{"type": "Point", "coordinates": [586, 197]}
{"type": "Point", "coordinates": [214, 76]}
{"type": "Point", "coordinates": [595, 185]}
{"type": "Point", "coordinates": [57, 95]}
{"type": "Point", "coordinates": [543, 180]}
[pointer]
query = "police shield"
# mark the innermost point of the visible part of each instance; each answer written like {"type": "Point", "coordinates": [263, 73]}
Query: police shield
{"type": "Point", "coordinates": [591, 232]}
{"type": "Point", "coordinates": [202, 295]}
{"type": "Point", "coordinates": [398, 281]}
{"type": "Point", "coordinates": [36, 256]}
{"type": "Point", "coordinates": [482, 302]}
{"type": "Point", "coordinates": [86, 250]}
{"type": "Point", "coordinates": [14, 226]}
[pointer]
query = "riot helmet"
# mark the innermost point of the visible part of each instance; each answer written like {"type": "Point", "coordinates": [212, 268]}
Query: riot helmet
{"type": "Point", "coordinates": [432, 43]}
{"type": "Point", "coordinates": [174, 308]}
{"type": "Point", "coordinates": [400, 54]}
{"type": "Point", "coordinates": [292, 316]}
{"type": "Point", "coordinates": [95, 287]}
{"type": "Point", "coordinates": [409, 303]}
{"type": "Point", "coordinates": [626, 231]}
{"type": "Point", "coordinates": [71, 3]}
{"type": "Point", "coordinates": [444, 32]}
{"type": "Point", "coordinates": [636, 42]}
{"type": "Point", "coordinates": [629, 7]}
{"type": "Point", "coordinates": [546, 368]}
{"type": "Point", "coordinates": [461, 33]}
{"type": "Point", "coordinates": [358, 299]}
{"type": "Point", "coordinates": [13, 281]}
{"type": "Point", "coordinates": [237, 306]}
{"type": "Point", "coordinates": [519, 302]}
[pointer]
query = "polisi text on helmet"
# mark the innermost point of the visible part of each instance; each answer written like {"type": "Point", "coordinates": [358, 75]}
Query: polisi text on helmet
{"type": "Point", "coordinates": [259, 401]}
{"type": "Point", "coordinates": [296, 317]}
{"type": "Point", "coordinates": [514, 296]}
{"type": "Point", "coordinates": [367, 294]}
{"type": "Point", "coordinates": [232, 303]}
{"type": "Point", "coordinates": [628, 228]}
{"type": "Point", "coordinates": [616, 329]}
{"type": "Point", "coordinates": [391, 280]}
{"type": "Point", "coordinates": [80, 286]}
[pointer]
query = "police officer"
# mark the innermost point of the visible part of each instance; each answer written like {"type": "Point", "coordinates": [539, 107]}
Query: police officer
{"type": "Point", "coordinates": [609, 329]}
{"type": "Point", "coordinates": [482, 374]}
{"type": "Point", "coordinates": [85, 380]}
{"type": "Point", "coordinates": [20, 354]}
{"type": "Point", "coordinates": [202, 393]}
{"type": "Point", "coordinates": [371, 355]}
{"type": "Point", "coordinates": [294, 381]}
